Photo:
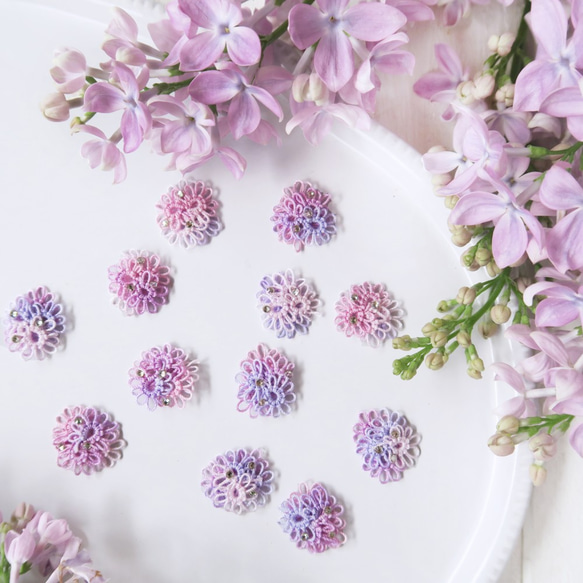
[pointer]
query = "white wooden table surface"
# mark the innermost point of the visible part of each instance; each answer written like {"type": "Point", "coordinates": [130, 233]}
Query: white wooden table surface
{"type": "Point", "coordinates": [550, 548]}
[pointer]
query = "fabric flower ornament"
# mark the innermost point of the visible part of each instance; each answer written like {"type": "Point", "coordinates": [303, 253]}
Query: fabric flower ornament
{"type": "Point", "coordinates": [221, 20]}
{"type": "Point", "coordinates": [387, 442]}
{"type": "Point", "coordinates": [330, 24]}
{"type": "Point", "coordinates": [238, 481]}
{"type": "Point", "coordinates": [188, 214]}
{"type": "Point", "coordinates": [139, 283]}
{"type": "Point", "coordinates": [164, 377]}
{"type": "Point", "coordinates": [302, 216]}
{"type": "Point", "coordinates": [35, 324]}
{"type": "Point", "coordinates": [265, 383]}
{"type": "Point", "coordinates": [87, 440]}
{"type": "Point", "coordinates": [313, 519]}
{"type": "Point", "coordinates": [369, 312]}
{"type": "Point", "coordinates": [287, 304]}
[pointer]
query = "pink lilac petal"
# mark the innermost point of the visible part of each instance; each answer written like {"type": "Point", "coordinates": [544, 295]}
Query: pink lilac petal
{"type": "Point", "coordinates": [373, 22]}
{"type": "Point", "coordinates": [306, 25]}
{"type": "Point", "coordinates": [551, 346]}
{"type": "Point", "coordinates": [243, 46]}
{"type": "Point", "coordinates": [569, 392]}
{"type": "Point", "coordinates": [122, 26]}
{"type": "Point", "coordinates": [212, 87]}
{"type": "Point", "coordinates": [201, 51]}
{"type": "Point", "coordinates": [554, 311]}
{"type": "Point", "coordinates": [333, 60]}
{"type": "Point", "coordinates": [509, 239]}
{"type": "Point", "coordinates": [68, 70]}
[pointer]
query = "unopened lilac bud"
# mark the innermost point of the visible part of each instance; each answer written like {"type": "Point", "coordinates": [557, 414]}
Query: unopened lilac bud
{"type": "Point", "coordinates": [501, 444]}
{"type": "Point", "coordinates": [55, 107]}
{"type": "Point", "coordinates": [508, 424]}
{"type": "Point", "coordinates": [435, 360]}
{"type": "Point", "coordinates": [523, 282]}
{"type": "Point", "coordinates": [538, 474]}
{"type": "Point", "coordinates": [440, 180]}
{"type": "Point", "coordinates": [402, 342]}
{"type": "Point", "coordinates": [450, 201]}
{"type": "Point", "coordinates": [500, 314]}
{"type": "Point", "coordinates": [466, 295]}
{"type": "Point", "coordinates": [465, 92]}
{"type": "Point", "coordinates": [483, 256]}
{"type": "Point", "coordinates": [483, 86]}
{"type": "Point", "coordinates": [493, 269]}
{"type": "Point", "coordinates": [439, 338]}
{"type": "Point", "coordinates": [505, 43]}
{"type": "Point", "coordinates": [477, 364]}
{"type": "Point", "coordinates": [309, 88]}
{"type": "Point", "coordinates": [543, 446]}
{"type": "Point", "coordinates": [21, 516]}
{"type": "Point", "coordinates": [469, 263]}
{"type": "Point", "coordinates": [408, 374]}
{"type": "Point", "coordinates": [473, 373]}
{"type": "Point", "coordinates": [505, 95]}
{"type": "Point", "coordinates": [463, 339]}
{"type": "Point", "coordinates": [428, 329]}
{"type": "Point", "coordinates": [461, 237]}
{"type": "Point", "coordinates": [487, 328]}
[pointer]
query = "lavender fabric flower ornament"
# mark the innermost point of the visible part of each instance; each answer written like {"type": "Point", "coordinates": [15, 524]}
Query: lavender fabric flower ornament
{"type": "Point", "coordinates": [35, 324]}
{"type": "Point", "coordinates": [188, 214]}
{"type": "Point", "coordinates": [302, 216]}
{"type": "Point", "coordinates": [287, 304]}
{"type": "Point", "coordinates": [313, 519]}
{"type": "Point", "coordinates": [164, 377]}
{"type": "Point", "coordinates": [87, 440]}
{"type": "Point", "coordinates": [265, 383]}
{"type": "Point", "coordinates": [139, 283]}
{"type": "Point", "coordinates": [238, 481]}
{"type": "Point", "coordinates": [387, 442]}
{"type": "Point", "coordinates": [369, 312]}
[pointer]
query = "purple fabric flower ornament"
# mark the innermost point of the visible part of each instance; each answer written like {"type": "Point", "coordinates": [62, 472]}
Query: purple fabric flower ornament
{"type": "Point", "coordinates": [313, 519]}
{"type": "Point", "coordinates": [164, 377]}
{"type": "Point", "coordinates": [387, 442]}
{"type": "Point", "coordinates": [287, 304]}
{"type": "Point", "coordinates": [87, 440]}
{"type": "Point", "coordinates": [302, 216]}
{"type": "Point", "coordinates": [265, 383]}
{"type": "Point", "coordinates": [139, 283]}
{"type": "Point", "coordinates": [35, 324]}
{"type": "Point", "coordinates": [369, 311]}
{"type": "Point", "coordinates": [188, 214]}
{"type": "Point", "coordinates": [239, 481]}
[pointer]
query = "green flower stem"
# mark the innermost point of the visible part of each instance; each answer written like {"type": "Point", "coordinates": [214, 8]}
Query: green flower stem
{"type": "Point", "coordinates": [533, 425]}
{"type": "Point", "coordinates": [568, 154]}
{"type": "Point", "coordinates": [4, 565]}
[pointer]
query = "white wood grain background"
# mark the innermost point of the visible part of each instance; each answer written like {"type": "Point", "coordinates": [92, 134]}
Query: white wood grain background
{"type": "Point", "coordinates": [550, 548]}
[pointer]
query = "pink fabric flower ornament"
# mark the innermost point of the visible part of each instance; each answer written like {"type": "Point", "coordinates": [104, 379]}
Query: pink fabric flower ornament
{"type": "Point", "coordinates": [221, 20]}
{"type": "Point", "coordinates": [331, 24]}
{"type": "Point", "coordinates": [122, 93]}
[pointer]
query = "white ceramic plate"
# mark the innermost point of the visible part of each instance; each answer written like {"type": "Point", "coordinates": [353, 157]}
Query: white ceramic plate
{"type": "Point", "coordinates": [451, 519]}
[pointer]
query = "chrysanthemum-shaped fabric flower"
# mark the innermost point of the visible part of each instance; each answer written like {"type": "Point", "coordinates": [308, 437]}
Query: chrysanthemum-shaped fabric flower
{"type": "Point", "coordinates": [265, 383]}
{"type": "Point", "coordinates": [313, 519]}
{"type": "Point", "coordinates": [302, 216]}
{"type": "Point", "coordinates": [238, 481]}
{"type": "Point", "coordinates": [287, 304]}
{"type": "Point", "coordinates": [87, 440]}
{"type": "Point", "coordinates": [387, 442]}
{"type": "Point", "coordinates": [369, 312]}
{"type": "Point", "coordinates": [139, 283]}
{"type": "Point", "coordinates": [35, 324]}
{"type": "Point", "coordinates": [188, 214]}
{"type": "Point", "coordinates": [164, 377]}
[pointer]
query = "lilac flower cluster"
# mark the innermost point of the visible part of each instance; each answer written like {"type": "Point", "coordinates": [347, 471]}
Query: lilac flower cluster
{"type": "Point", "coordinates": [87, 440]}
{"type": "Point", "coordinates": [369, 312]}
{"type": "Point", "coordinates": [34, 539]}
{"type": "Point", "coordinates": [387, 442]}
{"type": "Point", "coordinates": [313, 519]}
{"type": "Point", "coordinates": [265, 382]}
{"type": "Point", "coordinates": [35, 324]}
{"type": "Point", "coordinates": [302, 216]}
{"type": "Point", "coordinates": [188, 214]}
{"type": "Point", "coordinates": [139, 283]}
{"type": "Point", "coordinates": [239, 481]}
{"type": "Point", "coordinates": [163, 377]}
{"type": "Point", "coordinates": [287, 304]}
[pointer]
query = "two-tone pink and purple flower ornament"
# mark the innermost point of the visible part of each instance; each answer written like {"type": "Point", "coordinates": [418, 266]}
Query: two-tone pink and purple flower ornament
{"type": "Point", "coordinates": [139, 283]}
{"type": "Point", "coordinates": [189, 214]}
{"type": "Point", "coordinates": [313, 519]}
{"type": "Point", "coordinates": [369, 312]}
{"type": "Point", "coordinates": [302, 216]}
{"type": "Point", "coordinates": [238, 481]}
{"type": "Point", "coordinates": [266, 388]}
{"type": "Point", "coordinates": [164, 377]}
{"type": "Point", "coordinates": [387, 442]}
{"type": "Point", "coordinates": [287, 303]}
{"type": "Point", "coordinates": [35, 325]}
{"type": "Point", "coordinates": [87, 440]}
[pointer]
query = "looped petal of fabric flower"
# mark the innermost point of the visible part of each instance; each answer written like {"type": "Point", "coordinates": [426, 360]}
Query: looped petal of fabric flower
{"type": "Point", "coordinates": [287, 304]}
{"type": "Point", "coordinates": [139, 283]}
{"type": "Point", "coordinates": [313, 519]}
{"type": "Point", "coordinates": [387, 442]}
{"type": "Point", "coordinates": [238, 481]}
{"type": "Point", "coordinates": [368, 311]}
{"type": "Point", "coordinates": [35, 324]}
{"type": "Point", "coordinates": [302, 216]}
{"type": "Point", "coordinates": [87, 440]}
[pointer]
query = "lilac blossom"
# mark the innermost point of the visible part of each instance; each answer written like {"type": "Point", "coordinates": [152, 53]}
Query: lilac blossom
{"type": "Point", "coordinates": [103, 152]}
{"type": "Point", "coordinates": [331, 24]}
{"type": "Point", "coordinates": [520, 406]}
{"type": "Point", "coordinates": [69, 70]}
{"type": "Point", "coordinates": [567, 102]}
{"type": "Point", "coordinates": [221, 20]}
{"type": "Point", "coordinates": [561, 306]}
